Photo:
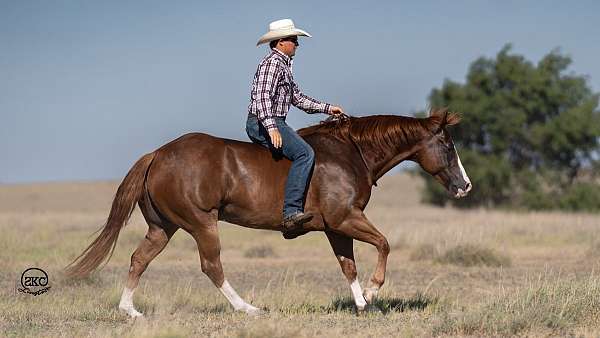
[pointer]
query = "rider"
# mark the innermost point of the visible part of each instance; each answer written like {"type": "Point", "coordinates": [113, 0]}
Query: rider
{"type": "Point", "coordinates": [273, 90]}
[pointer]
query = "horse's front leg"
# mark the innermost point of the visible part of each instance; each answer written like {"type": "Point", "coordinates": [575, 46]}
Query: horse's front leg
{"type": "Point", "coordinates": [344, 252]}
{"type": "Point", "coordinates": [357, 226]}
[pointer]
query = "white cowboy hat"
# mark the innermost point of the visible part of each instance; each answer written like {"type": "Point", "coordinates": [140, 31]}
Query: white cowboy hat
{"type": "Point", "coordinates": [280, 29]}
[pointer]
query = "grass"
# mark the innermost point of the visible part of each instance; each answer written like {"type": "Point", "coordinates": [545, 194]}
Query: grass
{"type": "Point", "coordinates": [552, 305]}
{"type": "Point", "coordinates": [594, 249]}
{"type": "Point", "coordinates": [424, 251]}
{"type": "Point", "coordinates": [529, 274]}
{"type": "Point", "coordinates": [384, 305]}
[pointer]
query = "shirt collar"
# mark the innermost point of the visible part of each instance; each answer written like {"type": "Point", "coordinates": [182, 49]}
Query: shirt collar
{"type": "Point", "coordinates": [285, 58]}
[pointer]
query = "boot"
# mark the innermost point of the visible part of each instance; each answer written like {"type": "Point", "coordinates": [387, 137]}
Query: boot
{"type": "Point", "coordinates": [295, 221]}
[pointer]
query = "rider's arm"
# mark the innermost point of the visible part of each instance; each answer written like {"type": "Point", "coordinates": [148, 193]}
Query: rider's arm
{"type": "Point", "coordinates": [308, 104]}
{"type": "Point", "coordinates": [268, 76]}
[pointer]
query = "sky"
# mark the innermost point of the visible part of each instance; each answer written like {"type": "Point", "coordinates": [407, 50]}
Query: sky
{"type": "Point", "coordinates": [87, 87]}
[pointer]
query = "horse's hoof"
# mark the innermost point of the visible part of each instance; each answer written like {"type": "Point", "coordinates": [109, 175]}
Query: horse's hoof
{"type": "Point", "coordinates": [131, 312]}
{"type": "Point", "coordinates": [370, 294]}
{"type": "Point", "coordinates": [253, 311]}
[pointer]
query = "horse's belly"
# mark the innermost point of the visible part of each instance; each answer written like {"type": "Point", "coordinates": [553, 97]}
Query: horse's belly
{"type": "Point", "coordinates": [256, 218]}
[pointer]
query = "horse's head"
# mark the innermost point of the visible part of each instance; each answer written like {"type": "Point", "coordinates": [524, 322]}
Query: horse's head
{"type": "Point", "coordinates": [439, 158]}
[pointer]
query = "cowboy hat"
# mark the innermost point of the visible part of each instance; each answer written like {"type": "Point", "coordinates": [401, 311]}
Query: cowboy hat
{"type": "Point", "coordinates": [280, 29]}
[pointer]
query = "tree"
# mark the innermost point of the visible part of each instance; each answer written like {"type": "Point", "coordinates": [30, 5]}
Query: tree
{"type": "Point", "coordinates": [528, 134]}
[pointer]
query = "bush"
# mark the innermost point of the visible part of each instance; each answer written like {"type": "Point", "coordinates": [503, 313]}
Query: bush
{"type": "Point", "coordinates": [529, 134]}
{"type": "Point", "coordinates": [473, 255]}
{"type": "Point", "coordinates": [581, 196]}
{"type": "Point", "coordinates": [261, 251]}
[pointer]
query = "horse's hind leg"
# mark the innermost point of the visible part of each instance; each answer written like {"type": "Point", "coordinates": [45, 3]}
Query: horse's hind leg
{"type": "Point", "coordinates": [206, 234]}
{"type": "Point", "coordinates": [155, 241]}
{"type": "Point", "coordinates": [344, 251]}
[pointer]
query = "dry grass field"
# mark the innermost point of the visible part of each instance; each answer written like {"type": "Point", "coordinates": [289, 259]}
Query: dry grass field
{"type": "Point", "coordinates": [450, 273]}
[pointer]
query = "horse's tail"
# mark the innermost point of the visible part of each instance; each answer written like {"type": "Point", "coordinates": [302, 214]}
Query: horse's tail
{"type": "Point", "coordinates": [129, 192]}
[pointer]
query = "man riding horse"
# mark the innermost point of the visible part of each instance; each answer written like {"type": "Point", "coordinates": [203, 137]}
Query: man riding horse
{"type": "Point", "coordinates": [197, 180]}
{"type": "Point", "coordinates": [273, 90]}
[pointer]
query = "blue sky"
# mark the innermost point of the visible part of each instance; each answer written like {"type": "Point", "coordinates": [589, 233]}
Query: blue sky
{"type": "Point", "coordinates": [87, 87]}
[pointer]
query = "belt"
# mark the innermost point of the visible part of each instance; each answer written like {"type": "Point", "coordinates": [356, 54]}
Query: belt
{"type": "Point", "coordinates": [275, 117]}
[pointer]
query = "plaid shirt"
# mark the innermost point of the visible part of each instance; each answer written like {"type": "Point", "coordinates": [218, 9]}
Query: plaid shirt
{"type": "Point", "coordinates": [273, 89]}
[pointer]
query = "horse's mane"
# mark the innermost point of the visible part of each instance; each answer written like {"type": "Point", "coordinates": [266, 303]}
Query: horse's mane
{"type": "Point", "coordinates": [379, 130]}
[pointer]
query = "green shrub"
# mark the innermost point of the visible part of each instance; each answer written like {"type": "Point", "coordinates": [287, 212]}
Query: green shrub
{"type": "Point", "coordinates": [581, 196]}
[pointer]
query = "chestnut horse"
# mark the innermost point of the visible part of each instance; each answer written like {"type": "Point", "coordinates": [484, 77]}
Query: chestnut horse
{"type": "Point", "coordinates": [197, 180]}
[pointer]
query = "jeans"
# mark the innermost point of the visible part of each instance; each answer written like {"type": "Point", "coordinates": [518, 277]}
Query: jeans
{"type": "Point", "coordinates": [293, 148]}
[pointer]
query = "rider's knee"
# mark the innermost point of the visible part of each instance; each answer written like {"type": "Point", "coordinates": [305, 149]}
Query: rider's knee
{"type": "Point", "coordinates": [310, 154]}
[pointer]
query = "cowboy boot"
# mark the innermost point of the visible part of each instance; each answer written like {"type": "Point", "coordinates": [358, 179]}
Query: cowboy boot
{"type": "Point", "coordinates": [295, 221]}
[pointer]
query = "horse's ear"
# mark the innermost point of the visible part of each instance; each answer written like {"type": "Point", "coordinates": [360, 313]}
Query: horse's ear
{"type": "Point", "coordinates": [437, 119]}
{"type": "Point", "coordinates": [440, 118]}
{"type": "Point", "coordinates": [452, 119]}
{"type": "Point", "coordinates": [440, 112]}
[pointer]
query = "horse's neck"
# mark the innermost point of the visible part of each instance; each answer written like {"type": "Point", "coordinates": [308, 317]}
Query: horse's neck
{"type": "Point", "coordinates": [382, 158]}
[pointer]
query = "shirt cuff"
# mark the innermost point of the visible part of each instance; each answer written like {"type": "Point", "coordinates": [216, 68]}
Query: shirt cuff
{"type": "Point", "coordinates": [327, 108]}
{"type": "Point", "coordinates": [269, 124]}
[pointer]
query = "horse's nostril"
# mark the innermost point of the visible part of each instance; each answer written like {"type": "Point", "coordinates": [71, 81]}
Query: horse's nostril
{"type": "Point", "coordinates": [468, 186]}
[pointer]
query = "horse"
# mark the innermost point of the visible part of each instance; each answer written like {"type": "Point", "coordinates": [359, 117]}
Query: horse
{"type": "Point", "coordinates": [197, 179]}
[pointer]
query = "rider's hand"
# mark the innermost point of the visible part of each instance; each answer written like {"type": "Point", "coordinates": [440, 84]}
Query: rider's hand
{"type": "Point", "coordinates": [335, 110]}
{"type": "Point", "coordinates": [275, 138]}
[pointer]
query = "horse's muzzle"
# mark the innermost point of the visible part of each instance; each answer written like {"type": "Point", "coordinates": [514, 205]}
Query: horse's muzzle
{"type": "Point", "coordinates": [463, 191]}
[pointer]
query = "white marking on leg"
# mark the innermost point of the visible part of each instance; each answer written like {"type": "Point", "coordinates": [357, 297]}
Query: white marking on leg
{"type": "Point", "coordinates": [126, 303]}
{"type": "Point", "coordinates": [235, 300]}
{"type": "Point", "coordinates": [359, 300]}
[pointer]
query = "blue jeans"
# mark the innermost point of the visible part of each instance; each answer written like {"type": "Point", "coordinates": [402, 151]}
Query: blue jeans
{"type": "Point", "coordinates": [293, 148]}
